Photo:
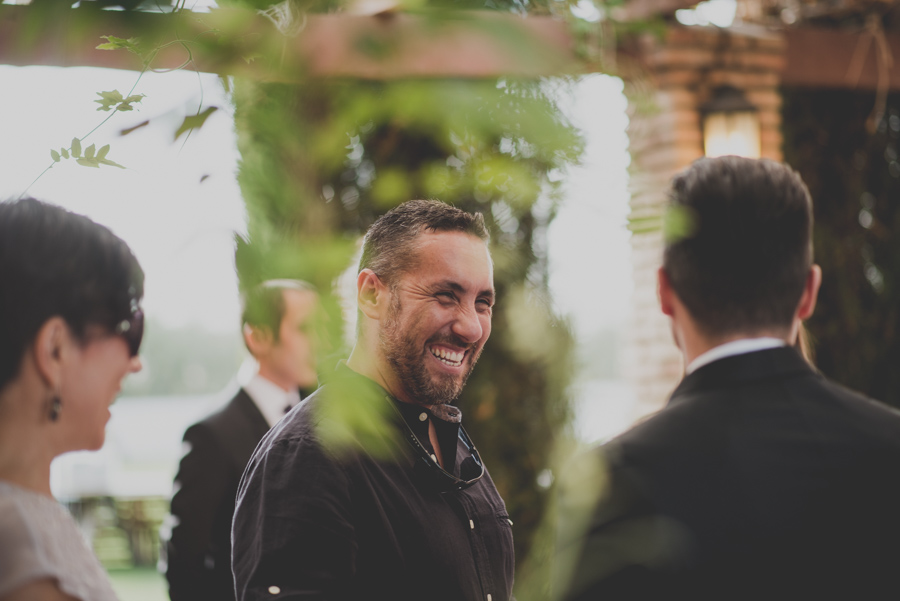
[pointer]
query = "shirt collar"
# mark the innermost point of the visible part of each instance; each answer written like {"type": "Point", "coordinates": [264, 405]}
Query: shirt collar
{"type": "Point", "coordinates": [417, 417]}
{"type": "Point", "coordinates": [735, 347]}
{"type": "Point", "coordinates": [270, 399]}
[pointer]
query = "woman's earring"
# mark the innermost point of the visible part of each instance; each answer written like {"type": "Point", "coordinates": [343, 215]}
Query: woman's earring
{"type": "Point", "coordinates": [55, 406]}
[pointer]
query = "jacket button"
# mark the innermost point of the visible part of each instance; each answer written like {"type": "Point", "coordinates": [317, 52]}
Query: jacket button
{"type": "Point", "coordinates": [274, 590]}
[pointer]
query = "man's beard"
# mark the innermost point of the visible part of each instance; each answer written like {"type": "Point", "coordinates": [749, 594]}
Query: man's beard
{"type": "Point", "coordinates": [409, 364]}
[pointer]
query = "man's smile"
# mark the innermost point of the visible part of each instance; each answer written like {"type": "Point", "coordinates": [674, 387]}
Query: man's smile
{"type": "Point", "coordinates": [447, 356]}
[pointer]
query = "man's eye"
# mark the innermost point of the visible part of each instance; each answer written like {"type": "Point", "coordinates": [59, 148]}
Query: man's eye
{"type": "Point", "coordinates": [484, 305]}
{"type": "Point", "coordinates": [446, 296]}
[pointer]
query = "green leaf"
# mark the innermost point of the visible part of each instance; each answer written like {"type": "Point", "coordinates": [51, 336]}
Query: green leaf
{"type": "Point", "coordinates": [89, 163]}
{"type": "Point", "coordinates": [679, 223]}
{"type": "Point", "coordinates": [391, 187]}
{"type": "Point", "coordinates": [89, 151]}
{"type": "Point", "coordinates": [54, 155]}
{"type": "Point", "coordinates": [125, 105]}
{"type": "Point", "coordinates": [101, 154]}
{"type": "Point", "coordinates": [195, 121]}
{"type": "Point", "coordinates": [110, 163]}
{"type": "Point", "coordinates": [113, 43]}
{"type": "Point", "coordinates": [108, 99]}
{"type": "Point", "coordinates": [76, 147]}
{"type": "Point", "coordinates": [64, 153]}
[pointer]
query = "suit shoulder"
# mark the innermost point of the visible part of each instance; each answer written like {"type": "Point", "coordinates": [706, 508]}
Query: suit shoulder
{"type": "Point", "coordinates": [239, 421]}
{"type": "Point", "coordinates": [694, 412]}
{"type": "Point", "coordinates": [864, 410]}
{"type": "Point", "coordinates": [297, 429]}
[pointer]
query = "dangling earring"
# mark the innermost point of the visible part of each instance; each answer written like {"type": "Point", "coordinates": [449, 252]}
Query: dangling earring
{"type": "Point", "coordinates": [55, 406]}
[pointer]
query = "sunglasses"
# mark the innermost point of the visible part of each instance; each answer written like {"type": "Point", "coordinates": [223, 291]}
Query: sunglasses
{"type": "Point", "coordinates": [132, 329]}
{"type": "Point", "coordinates": [428, 467]}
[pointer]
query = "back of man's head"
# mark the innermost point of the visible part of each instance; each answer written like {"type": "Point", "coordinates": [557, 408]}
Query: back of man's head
{"type": "Point", "coordinates": [740, 263]}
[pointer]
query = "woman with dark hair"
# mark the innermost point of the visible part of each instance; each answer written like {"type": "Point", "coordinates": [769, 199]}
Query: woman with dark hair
{"type": "Point", "coordinates": [70, 329]}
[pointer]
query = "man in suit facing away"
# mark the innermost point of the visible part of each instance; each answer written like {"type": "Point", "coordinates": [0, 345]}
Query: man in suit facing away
{"type": "Point", "coordinates": [277, 323]}
{"type": "Point", "coordinates": [760, 479]}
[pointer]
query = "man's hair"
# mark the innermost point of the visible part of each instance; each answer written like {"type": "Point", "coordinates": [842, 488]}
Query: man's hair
{"type": "Point", "coordinates": [263, 305]}
{"type": "Point", "coordinates": [57, 263]}
{"type": "Point", "coordinates": [389, 245]}
{"type": "Point", "coordinates": [741, 261]}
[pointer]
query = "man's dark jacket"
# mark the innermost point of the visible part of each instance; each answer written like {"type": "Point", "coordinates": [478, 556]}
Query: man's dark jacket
{"type": "Point", "coordinates": [358, 520]}
{"type": "Point", "coordinates": [199, 552]}
{"type": "Point", "coordinates": [761, 479]}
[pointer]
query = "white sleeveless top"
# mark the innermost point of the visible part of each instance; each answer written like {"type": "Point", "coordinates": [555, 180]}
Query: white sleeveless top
{"type": "Point", "coordinates": [39, 540]}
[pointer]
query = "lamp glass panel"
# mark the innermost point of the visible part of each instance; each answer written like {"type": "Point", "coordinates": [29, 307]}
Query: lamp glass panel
{"type": "Point", "coordinates": [731, 133]}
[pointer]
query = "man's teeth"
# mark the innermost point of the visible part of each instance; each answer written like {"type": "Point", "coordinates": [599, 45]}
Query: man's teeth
{"type": "Point", "coordinates": [449, 357]}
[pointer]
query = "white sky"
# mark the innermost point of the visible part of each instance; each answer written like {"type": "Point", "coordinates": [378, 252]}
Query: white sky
{"type": "Point", "coordinates": [182, 230]}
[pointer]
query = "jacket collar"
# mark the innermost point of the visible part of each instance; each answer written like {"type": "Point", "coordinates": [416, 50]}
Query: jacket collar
{"type": "Point", "coordinates": [741, 370]}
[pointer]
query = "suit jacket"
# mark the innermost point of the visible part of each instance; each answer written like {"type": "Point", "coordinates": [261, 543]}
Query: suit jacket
{"type": "Point", "coordinates": [761, 479]}
{"type": "Point", "coordinates": [199, 551]}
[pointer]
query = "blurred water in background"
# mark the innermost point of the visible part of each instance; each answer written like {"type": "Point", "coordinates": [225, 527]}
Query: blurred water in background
{"type": "Point", "coordinates": [142, 450]}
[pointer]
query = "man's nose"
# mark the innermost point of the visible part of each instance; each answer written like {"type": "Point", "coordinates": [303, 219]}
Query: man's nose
{"type": "Point", "coordinates": [135, 365]}
{"type": "Point", "coordinates": [468, 325]}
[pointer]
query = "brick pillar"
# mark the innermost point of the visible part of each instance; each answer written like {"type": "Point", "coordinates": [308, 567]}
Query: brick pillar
{"type": "Point", "coordinates": [678, 76]}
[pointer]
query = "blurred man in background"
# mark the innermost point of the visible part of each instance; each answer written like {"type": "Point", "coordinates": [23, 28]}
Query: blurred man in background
{"type": "Point", "coordinates": [760, 479]}
{"type": "Point", "coordinates": [277, 325]}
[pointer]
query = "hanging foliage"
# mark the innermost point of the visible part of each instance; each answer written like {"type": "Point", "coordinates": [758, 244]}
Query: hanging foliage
{"type": "Point", "coordinates": [854, 178]}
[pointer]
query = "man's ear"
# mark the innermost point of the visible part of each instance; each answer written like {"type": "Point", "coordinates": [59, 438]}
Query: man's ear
{"type": "Point", "coordinates": [665, 293]}
{"type": "Point", "coordinates": [50, 347]}
{"type": "Point", "coordinates": [371, 294]}
{"type": "Point", "coordinates": [807, 303]}
{"type": "Point", "coordinates": [258, 340]}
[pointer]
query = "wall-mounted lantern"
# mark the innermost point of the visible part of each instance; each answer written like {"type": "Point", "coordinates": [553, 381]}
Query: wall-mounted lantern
{"type": "Point", "coordinates": [730, 124]}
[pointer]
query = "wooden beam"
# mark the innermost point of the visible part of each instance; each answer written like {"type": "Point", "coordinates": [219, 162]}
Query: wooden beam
{"type": "Point", "coordinates": [642, 10]}
{"type": "Point", "coordinates": [469, 44]}
{"type": "Point", "coordinates": [831, 58]}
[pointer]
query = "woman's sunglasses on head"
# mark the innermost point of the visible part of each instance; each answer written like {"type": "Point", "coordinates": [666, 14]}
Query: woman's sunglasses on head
{"type": "Point", "coordinates": [132, 329]}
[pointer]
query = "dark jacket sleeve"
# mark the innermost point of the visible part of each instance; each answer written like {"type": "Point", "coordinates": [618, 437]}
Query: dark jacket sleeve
{"type": "Point", "coordinates": [201, 482]}
{"type": "Point", "coordinates": [293, 532]}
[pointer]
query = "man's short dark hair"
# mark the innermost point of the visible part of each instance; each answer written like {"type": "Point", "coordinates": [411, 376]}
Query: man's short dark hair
{"type": "Point", "coordinates": [389, 246]}
{"type": "Point", "coordinates": [57, 263]}
{"type": "Point", "coordinates": [741, 262]}
{"type": "Point", "coordinates": [263, 305]}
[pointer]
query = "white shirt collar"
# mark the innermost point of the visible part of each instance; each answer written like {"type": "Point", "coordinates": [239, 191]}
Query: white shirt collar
{"type": "Point", "coordinates": [270, 399]}
{"type": "Point", "coordinates": [735, 347]}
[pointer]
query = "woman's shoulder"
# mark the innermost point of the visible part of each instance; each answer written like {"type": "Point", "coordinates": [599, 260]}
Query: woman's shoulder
{"type": "Point", "coordinates": [40, 540]}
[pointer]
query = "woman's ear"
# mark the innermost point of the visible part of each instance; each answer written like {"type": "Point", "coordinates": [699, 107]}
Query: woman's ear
{"type": "Point", "coordinates": [371, 294]}
{"type": "Point", "coordinates": [51, 345]}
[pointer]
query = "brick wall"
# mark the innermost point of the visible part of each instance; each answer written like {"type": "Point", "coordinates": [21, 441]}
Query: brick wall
{"type": "Point", "coordinates": [678, 75]}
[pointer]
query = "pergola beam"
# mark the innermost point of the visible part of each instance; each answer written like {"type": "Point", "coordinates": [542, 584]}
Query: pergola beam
{"type": "Point", "coordinates": [833, 58]}
{"type": "Point", "coordinates": [642, 10]}
{"type": "Point", "coordinates": [470, 44]}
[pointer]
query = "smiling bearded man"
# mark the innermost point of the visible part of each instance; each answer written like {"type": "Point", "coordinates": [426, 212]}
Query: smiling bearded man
{"type": "Point", "coordinates": [408, 361]}
{"type": "Point", "coordinates": [421, 519]}
{"type": "Point", "coordinates": [412, 361]}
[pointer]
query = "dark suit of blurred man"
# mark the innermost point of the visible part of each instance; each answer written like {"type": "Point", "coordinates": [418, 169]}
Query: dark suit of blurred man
{"type": "Point", "coordinates": [276, 319]}
{"type": "Point", "coordinates": [760, 479]}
